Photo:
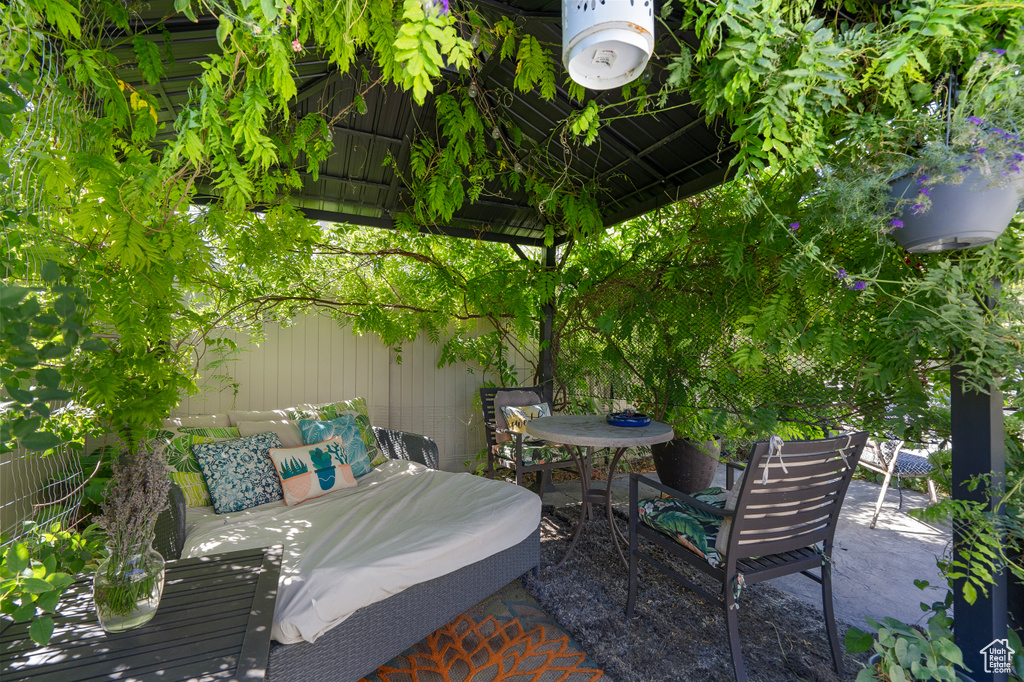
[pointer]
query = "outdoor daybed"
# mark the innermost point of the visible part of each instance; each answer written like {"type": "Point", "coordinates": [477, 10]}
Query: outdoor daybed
{"type": "Point", "coordinates": [370, 570]}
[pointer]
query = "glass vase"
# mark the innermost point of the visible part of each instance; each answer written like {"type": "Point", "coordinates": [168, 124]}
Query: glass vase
{"type": "Point", "coordinates": [127, 587]}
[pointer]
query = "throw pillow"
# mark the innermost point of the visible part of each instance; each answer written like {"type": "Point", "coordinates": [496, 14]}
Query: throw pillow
{"type": "Point", "coordinates": [517, 417]}
{"type": "Point", "coordinates": [178, 442]}
{"type": "Point", "coordinates": [357, 408]}
{"type": "Point", "coordinates": [237, 416]}
{"type": "Point", "coordinates": [193, 486]}
{"type": "Point", "coordinates": [239, 473]}
{"type": "Point", "coordinates": [345, 430]}
{"type": "Point", "coordinates": [220, 420]}
{"type": "Point", "coordinates": [314, 470]}
{"type": "Point", "coordinates": [286, 429]}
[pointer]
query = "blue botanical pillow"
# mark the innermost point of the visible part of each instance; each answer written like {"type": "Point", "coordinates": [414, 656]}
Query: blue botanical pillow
{"type": "Point", "coordinates": [239, 472]}
{"type": "Point", "coordinates": [345, 426]}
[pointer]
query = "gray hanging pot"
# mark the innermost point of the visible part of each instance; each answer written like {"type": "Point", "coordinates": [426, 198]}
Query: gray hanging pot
{"type": "Point", "coordinates": [972, 213]}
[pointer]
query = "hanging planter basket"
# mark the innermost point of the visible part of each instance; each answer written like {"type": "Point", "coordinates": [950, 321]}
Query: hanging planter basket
{"type": "Point", "coordinates": [972, 213]}
{"type": "Point", "coordinates": [606, 43]}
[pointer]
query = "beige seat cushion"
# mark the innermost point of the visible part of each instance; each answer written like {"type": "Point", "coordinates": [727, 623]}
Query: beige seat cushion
{"type": "Point", "coordinates": [238, 416]}
{"type": "Point", "coordinates": [286, 429]}
{"type": "Point", "coordinates": [198, 420]}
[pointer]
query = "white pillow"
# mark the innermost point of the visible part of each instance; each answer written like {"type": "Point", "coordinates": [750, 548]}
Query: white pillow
{"type": "Point", "coordinates": [286, 430]}
{"type": "Point", "coordinates": [236, 416]}
{"type": "Point", "coordinates": [198, 420]}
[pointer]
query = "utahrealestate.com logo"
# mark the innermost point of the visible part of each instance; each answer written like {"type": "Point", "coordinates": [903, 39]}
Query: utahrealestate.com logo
{"type": "Point", "coordinates": [998, 656]}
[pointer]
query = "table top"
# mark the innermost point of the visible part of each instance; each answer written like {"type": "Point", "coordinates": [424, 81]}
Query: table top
{"type": "Point", "coordinates": [592, 430]}
{"type": "Point", "coordinates": [213, 623]}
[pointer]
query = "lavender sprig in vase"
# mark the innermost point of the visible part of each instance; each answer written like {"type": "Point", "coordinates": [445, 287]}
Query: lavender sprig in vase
{"type": "Point", "coordinates": [128, 584]}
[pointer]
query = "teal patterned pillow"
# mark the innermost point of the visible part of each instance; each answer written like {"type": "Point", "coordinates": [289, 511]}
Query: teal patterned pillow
{"type": "Point", "coordinates": [357, 408]}
{"type": "Point", "coordinates": [239, 472]}
{"type": "Point", "coordinates": [345, 426]}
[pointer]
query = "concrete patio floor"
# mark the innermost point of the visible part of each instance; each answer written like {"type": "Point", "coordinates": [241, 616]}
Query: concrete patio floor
{"type": "Point", "coordinates": [874, 569]}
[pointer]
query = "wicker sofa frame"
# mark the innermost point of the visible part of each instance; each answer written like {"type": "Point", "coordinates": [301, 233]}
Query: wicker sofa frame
{"type": "Point", "coordinates": [376, 633]}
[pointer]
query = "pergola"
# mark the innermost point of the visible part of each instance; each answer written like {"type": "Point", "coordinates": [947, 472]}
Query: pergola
{"type": "Point", "coordinates": [638, 164]}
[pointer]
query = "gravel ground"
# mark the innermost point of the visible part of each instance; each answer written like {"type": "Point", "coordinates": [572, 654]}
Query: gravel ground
{"type": "Point", "coordinates": [676, 634]}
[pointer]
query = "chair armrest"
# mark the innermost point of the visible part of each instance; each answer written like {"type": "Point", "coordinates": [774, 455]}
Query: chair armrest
{"type": "Point", "coordinates": [408, 446]}
{"type": "Point", "coordinates": [729, 467]}
{"type": "Point", "coordinates": [169, 531]}
{"type": "Point", "coordinates": [692, 501]}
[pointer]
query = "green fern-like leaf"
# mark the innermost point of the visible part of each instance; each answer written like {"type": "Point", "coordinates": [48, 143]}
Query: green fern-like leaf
{"type": "Point", "coordinates": [148, 55]}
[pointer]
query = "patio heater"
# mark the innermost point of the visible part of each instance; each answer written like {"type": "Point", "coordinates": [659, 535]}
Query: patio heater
{"type": "Point", "coordinates": [606, 43]}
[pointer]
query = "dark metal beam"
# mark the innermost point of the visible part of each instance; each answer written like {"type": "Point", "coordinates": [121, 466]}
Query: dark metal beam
{"type": "Point", "coordinates": [688, 189]}
{"type": "Point", "coordinates": [519, 252]}
{"type": "Point", "coordinates": [346, 180]}
{"type": "Point", "coordinates": [657, 145]}
{"type": "Point", "coordinates": [547, 336]}
{"type": "Point", "coordinates": [547, 17]}
{"type": "Point", "coordinates": [365, 133]}
{"type": "Point", "coordinates": [977, 434]}
{"type": "Point", "coordinates": [391, 201]}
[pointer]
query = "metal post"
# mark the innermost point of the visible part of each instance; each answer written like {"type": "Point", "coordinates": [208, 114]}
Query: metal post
{"type": "Point", "coordinates": [976, 425]}
{"type": "Point", "coordinates": [547, 335]}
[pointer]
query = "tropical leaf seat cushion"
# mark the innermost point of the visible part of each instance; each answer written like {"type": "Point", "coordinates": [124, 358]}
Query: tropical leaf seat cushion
{"type": "Point", "coordinates": [178, 442]}
{"type": "Point", "coordinates": [533, 453]}
{"type": "Point", "coordinates": [692, 528]}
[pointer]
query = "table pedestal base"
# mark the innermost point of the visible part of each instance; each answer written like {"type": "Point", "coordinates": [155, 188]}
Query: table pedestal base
{"type": "Point", "coordinates": [591, 495]}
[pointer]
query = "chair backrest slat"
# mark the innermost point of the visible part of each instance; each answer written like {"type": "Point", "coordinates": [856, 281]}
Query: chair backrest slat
{"type": "Point", "coordinates": [786, 545]}
{"type": "Point", "coordinates": [768, 521]}
{"type": "Point", "coordinates": [798, 507]}
{"type": "Point", "coordinates": [771, 498]}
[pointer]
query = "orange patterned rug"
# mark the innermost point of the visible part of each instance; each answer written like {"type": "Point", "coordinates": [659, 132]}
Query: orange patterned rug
{"type": "Point", "coordinates": [497, 641]}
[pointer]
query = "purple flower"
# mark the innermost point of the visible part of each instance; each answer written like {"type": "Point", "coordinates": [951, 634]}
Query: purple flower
{"type": "Point", "coordinates": [975, 120]}
{"type": "Point", "coordinates": [1014, 168]}
{"type": "Point", "coordinates": [442, 6]}
{"type": "Point", "coordinates": [980, 150]}
{"type": "Point", "coordinates": [841, 274]}
{"type": "Point", "coordinates": [999, 131]}
{"type": "Point", "coordinates": [917, 208]}
{"type": "Point", "coordinates": [925, 191]}
{"type": "Point", "coordinates": [1017, 156]}
{"type": "Point", "coordinates": [999, 51]}
{"type": "Point", "coordinates": [794, 226]}
{"type": "Point", "coordinates": [964, 169]}
{"type": "Point", "coordinates": [897, 223]}
{"type": "Point", "coordinates": [859, 286]}
{"type": "Point", "coordinates": [923, 179]}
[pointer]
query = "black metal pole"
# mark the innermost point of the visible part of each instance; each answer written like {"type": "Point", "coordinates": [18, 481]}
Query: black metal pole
{"type": "Point", "coordinates": [547, 335]}
{"type": "Point", "coordinates": [976, 426]}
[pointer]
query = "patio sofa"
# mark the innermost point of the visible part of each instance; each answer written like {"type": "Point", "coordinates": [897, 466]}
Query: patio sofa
{"type": "Point", "coordinates": [368, 571]}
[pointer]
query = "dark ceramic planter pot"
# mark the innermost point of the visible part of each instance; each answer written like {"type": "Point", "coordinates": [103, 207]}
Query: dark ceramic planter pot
{"type": "Point", "coordinates": [685, 465]}
{"type": "Point", "coordinates": [972, 213]}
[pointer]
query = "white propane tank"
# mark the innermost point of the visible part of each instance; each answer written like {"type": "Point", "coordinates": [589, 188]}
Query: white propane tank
{"type": "Point", "coordinates": [606, 43]}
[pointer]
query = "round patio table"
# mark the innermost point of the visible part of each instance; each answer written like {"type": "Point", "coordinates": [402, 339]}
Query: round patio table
{"type": "Point", "coordinates": [580, 434]}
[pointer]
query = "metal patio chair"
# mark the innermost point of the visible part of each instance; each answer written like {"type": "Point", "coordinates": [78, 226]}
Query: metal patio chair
{"type": "Point", "coordinates": [882, 458]}
{"type": "Point", "coordinates": [512, 450]}
{"type": "Point", "coordinates": [779, 519]}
